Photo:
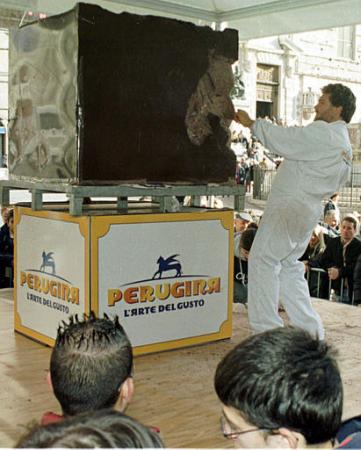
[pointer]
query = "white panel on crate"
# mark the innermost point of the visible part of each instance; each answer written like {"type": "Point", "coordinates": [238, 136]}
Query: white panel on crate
{"type": "Point", "coordinates": [195, 274]}
{"type": "Point", "coordinates": [50, 273]}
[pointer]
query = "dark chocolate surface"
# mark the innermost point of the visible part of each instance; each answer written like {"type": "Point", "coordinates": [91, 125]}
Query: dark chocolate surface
{"type": "Point", "coordinates": [135, 76]}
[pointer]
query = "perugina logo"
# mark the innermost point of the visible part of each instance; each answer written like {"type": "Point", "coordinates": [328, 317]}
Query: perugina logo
{"type": "Point", "coordinates": [142, 291]}
{"type": "Point", "coordinates": [46, 281]}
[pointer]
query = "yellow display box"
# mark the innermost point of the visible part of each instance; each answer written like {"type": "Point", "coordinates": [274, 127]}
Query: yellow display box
{"type": "Point", "coordinates": [167, 276]}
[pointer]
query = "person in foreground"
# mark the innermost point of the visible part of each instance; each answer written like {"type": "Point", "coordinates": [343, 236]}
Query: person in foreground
{"type": "Point", "coordinates": [280, 388]}
{"type": "Point", "coordinates": [317, 162]}
{"type": "Point", "coordinates": [90, 367]}
{"type": "Point", "coordinates": [101, 429]}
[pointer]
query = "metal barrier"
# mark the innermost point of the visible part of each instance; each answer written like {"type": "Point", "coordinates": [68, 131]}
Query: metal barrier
{"type": "Point", "coordinates": [319, 271]}
{"type": "Point", "coordinates": [331, 295]}
{"type": "Point", "coordinates": [262, 182]}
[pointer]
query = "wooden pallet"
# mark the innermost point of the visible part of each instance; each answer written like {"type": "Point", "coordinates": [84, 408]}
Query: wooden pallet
{"type": "Point", "coordinates": [163, 194]}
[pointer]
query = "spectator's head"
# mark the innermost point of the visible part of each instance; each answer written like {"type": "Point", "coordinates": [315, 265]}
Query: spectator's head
{"type": "Point", "coordinates": [280, 388]}
{"type": "Point", "coordinates": [91, 365]}
{"type": "Point", "coordinates": [11, 220]}
{"type": "Point", "coordinates": [100, 429]}
{"type": "Point", "coordinates": [335, 197]}
{"type": "Point", "coordinates": [4, 214]}
{"type": "Point", "coordinates": [330, 218]}
{"type": "Point", "coordinates": [317, 239]}
{"type": "Point", "coordinates": [337, 102]}
{"type": "Point", "coordinates": [253, 225]}
{"type": "Point", "coordinates": [234, 136]}
{"type": "Point", "coordinates": [348, 228]}
{"type": "Point", "coordinates": [246, 242]}
{"type": "Point", "coordinates": [241, 221]}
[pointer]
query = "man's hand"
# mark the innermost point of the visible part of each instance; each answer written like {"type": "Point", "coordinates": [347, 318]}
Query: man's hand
{"type": "Point", "coordinates": [307, 268]}
{"type": "Point", "coordinates": [333, 273]}
{"type": "Point", "coordinates": [243, 118]}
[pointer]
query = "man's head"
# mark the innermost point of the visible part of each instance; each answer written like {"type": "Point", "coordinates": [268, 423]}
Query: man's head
{"type": "Point", "coordinates": [337, 102]}
{"type": "Point", "coordinates": [241, 221]}
{"type": "Point", "coordinates": [4, 214]}
{"type": "Point", "coordinates": [317, 238]}
{"type": "Point", "coordinates": [10, 220]}
{"type": "Point", "coordinates": [98, 429]}
{"type": "Point", "coordinates": [91, 365]}
{"type": "Point", "coordinates": [331, 218]}
{"type": "Point", "coordinates": [335, 197]}
{"type": "Point", "coordinates": [348, 228]}
{"type": "Point", "coordinates": [279, 387]}
{"type": "Point", "coordinates": [246, 242]}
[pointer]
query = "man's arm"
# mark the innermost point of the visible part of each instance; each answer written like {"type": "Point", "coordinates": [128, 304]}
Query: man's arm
{"type": "Point", "coordinates": [327, 258]}
{"type": "Point", "coordinates": [357, 281]}
{"type": "Point", "coordinates": [328, 262]}
{"type": "Point", "coordinates": [308, 143]}
{"type": "Point", "coordinates": [243, 118]}
{"type": "Point", "coordinates": [352, 253]}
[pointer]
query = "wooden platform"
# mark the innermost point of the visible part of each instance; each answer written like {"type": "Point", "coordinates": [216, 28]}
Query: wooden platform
{"type": "Point", "coordinates": [160, 192]}
{"type": "Point", "coordinates": [173, 390]}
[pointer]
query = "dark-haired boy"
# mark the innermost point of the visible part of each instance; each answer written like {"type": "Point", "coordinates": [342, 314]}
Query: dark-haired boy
{"type": "Point", "coordinates": [280, 388]}
{"type": "Point", "coordinates": [90, 367]}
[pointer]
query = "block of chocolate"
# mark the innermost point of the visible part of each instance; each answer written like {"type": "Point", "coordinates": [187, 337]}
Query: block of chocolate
{"type": "Point", "coordinates": [104, 98]}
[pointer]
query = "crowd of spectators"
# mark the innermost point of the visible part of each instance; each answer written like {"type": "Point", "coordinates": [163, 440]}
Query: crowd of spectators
{"type": "Point", "coordinates": [332, 258]}
{"type": "Point", "coordinates": [250, 154]}
{"type": "Point", "coordinates": [277, 389]}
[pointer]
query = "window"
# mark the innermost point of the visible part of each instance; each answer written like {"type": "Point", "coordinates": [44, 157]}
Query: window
{"type": "Point", "coordinates": [345, 42]}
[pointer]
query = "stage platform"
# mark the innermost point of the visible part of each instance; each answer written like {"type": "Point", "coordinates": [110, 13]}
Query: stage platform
{"type": "Point", "coordinates": [173, 390]}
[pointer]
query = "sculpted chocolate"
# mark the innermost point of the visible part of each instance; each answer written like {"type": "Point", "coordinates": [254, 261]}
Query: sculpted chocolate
{"type": "Point", "coordinates": [102, 98]}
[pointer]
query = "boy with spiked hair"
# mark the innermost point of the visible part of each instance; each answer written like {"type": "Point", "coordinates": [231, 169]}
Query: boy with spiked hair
{"type": "Point", "coordinates": [90, 367]}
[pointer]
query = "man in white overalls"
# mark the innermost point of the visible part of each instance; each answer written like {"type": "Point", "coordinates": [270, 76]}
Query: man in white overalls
{"type": "Point", "coordinates": [317, 162]}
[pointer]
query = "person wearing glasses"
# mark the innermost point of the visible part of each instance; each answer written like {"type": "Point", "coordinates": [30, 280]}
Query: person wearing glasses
{"type": "Point", "coordinates": [280, 388]}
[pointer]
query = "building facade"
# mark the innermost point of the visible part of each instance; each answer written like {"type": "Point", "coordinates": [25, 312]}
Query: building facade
{"type": "Point", "coordinates": [283, 75]}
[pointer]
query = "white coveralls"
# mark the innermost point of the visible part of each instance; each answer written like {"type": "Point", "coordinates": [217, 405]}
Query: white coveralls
{"type": "Point", "coordinates": [317, 163]}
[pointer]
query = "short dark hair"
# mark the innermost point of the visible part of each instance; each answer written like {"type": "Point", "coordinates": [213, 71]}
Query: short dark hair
{"type": "Point", "coordinates": [90, 361]}
{"type": "Point", "coordinates": [253, 225]}
{"type": "Point", "coordinates": [351, 219]}
{"type": "Point", "coordinates": [247, 238]}
{"type": "Point", "coordinates": [100, 429]}
{"type": "Point", "coordinates": [284, 378]}
{"type": "Point", "coordinates": [341, 95]}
